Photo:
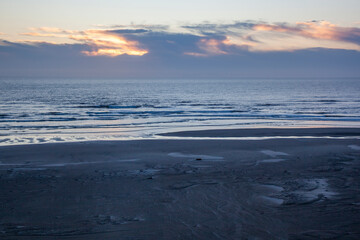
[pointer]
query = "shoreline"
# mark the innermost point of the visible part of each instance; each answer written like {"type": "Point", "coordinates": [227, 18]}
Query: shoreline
{"type": "Point", "coordinates": [270, 132]}
{"type": "Point", "coordinates": [243, 134]}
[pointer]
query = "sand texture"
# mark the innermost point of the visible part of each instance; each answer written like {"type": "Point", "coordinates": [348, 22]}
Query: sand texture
{"type": "Point", "coordinates": [182, 189]}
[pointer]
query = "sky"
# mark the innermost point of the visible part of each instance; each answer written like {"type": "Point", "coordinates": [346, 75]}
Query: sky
{"type": "Point", "coordinates": [179, 39]}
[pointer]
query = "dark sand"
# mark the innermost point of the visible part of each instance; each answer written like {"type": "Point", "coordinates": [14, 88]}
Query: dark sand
{"type": "Point", "coordinates": [156, 189]}
{"type": "Point", "coordinates": [269, 132]}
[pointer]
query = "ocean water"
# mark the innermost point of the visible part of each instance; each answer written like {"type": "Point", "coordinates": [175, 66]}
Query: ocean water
{"type": "Point", "coordinates": [58, 110]}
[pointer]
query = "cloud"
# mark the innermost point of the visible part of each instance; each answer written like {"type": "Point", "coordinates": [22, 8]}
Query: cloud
{"type": "Point", "coordinates": [314, 29]}
{"type": "Point", "coordinates": [211, 29]}
{"type": "Point", "coordinates": [107, 43]}
{"type": "Point", "coordinates": [130, 31]}
{"type": "Point", "coordinates": [311, 29]}
{"type": "Point", "coordinates": [201, 40]}
{"type": "Point", "coordinates": [148, 27]}
{"type": "Point", "coordinates": [102, 42]}
{"type": "Point", "coordinates": [209, 47]}
{"type": "Point", "coordinates": [168, 61]}
{"type": "Point", "coordinates": [52, 30]}
{"type": "Point", "coordinates": [262, 36]}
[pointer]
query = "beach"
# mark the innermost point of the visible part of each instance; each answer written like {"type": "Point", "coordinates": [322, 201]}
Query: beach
{"type": "Point", "coordinates": [180, 120]}
{"type": "Point", "coordinates": [294, 184]}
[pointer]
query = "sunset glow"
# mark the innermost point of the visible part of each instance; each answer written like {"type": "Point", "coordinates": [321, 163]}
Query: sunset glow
{"type": "Point", "coordinates": [107, 44]}
{"type": "Point", "coordinates": [140, 41]}
{"type": "Point", "coordinates": [102, 42]}
{"type": "Point", "coordinates": [114, 42]}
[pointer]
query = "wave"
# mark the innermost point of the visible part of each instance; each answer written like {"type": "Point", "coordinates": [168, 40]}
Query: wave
{"type": "Point", "coordinates": [269, 104]}
{"type": "Point", "coordinates": [57, 113]}
{"type": "Point", "coordinates": [123, 113]}
{"type": "Point", "coordinates": [42, 120]}
{"type": "Point", "coordinates": [241, 114]}
{"type": "Point", "coordinates": [318, 101]}
{"type": "Point", "coordinates": [317, 113]}
{"type": "Point", "coordinates": [108, 106]}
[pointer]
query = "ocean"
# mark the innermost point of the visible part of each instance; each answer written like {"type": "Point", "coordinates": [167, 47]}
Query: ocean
{"type": "Point", "coordinates": [67, 110]}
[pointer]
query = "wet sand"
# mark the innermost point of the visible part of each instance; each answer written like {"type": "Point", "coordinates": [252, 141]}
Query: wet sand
{"type": "Point", "coordinates": [182, 189]}
{"type": "Point", "coordinates": [269, 132]}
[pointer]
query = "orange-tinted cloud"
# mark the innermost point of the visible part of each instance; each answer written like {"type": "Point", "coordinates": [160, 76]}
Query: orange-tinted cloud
{"type": "Point", "coordinates": [105, 43]}
{"type": "Point", "coordinates": [269, 27]}
{"type": "Point", "coordinates": [260, 36]}
{"type": "Point", "coordinates": [37, 34]}
{"type": "Point", "coordinates": [243, 41]}
{"type": "Point", "coordinates": [314, 29]}
{"type": "Point", "coordinates": [196, 54]}
{"type": "Point", "coordinates": [302, 35]}
{"type": "Point", "coordinates": [102, 42]}
{"type": "Point", "coordinates": [203, 40]}
{"type": "Point", "coordinates": [212, 46]}
{"type": "Point", "coordinates": [209, 47]}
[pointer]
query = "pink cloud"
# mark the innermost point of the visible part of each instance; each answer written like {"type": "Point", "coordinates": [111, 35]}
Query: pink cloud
{"type": "Point", "coordinates": [102, 42]}
{"type": "Point", "coordinates": [317, 30]}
